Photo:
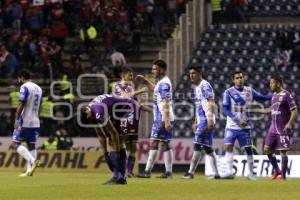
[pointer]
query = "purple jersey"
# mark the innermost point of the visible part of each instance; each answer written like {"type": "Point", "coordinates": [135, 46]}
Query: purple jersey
{"type": "Point", "coordinates": [282, 104]}
{"type": "Point", "coordinates": [119, 88]}
{"type": "Point", "coordinates": [106, 107]}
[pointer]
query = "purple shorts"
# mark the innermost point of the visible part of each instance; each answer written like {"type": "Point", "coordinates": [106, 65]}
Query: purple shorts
{"type": "Point", "coordinates": [278, 141]}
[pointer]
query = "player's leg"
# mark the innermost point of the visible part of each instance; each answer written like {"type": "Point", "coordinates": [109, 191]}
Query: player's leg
{"type": "Point", "coordinates": [123, 155]}
{"type": "Point", "coordinates": [229, 139]}
{"type": "Point", "coordinates": [33, 152]}
{"type": "Point", "coordinates": [212, 157]}
{"type": "Point", "coordinates": [131, 143]}
{"type": "Point", "coordinates": [168, 159]}
{"type": "Point", "coordinates": [245, 139]}
{"type": "Point", "coordinates": [194, 162]}
{"type": "Point", "coordinates": [284, 163]}
{"type": "Point", "coordinates": [269, 147]}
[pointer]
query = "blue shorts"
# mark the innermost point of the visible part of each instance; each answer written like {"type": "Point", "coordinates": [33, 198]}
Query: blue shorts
{"type": "Point", "coordinates": [28, 135]}
{"type": "Point", "coordinates": [243, 136]}
{"type": "Point", "coordinates": [203, 137]}
{"type": "Point", "coordinates": [159, 133]}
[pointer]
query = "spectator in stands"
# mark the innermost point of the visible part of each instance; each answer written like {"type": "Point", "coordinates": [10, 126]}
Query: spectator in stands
{"type": "Point", "coordinates": [216, 11]}
{"type": "Point", "coordinates": [88, 34]}
{"type": "Point", "coordinates": [15, 13]}
{"type": "Point", "coordinates": [50, 144]}
{"type": "Point", "coordinates": [34, 20]}
{"type": "Point", "coordinates": [118, 61]}
{"type": "Point", "coordinates": [64, 141]}
{"type": "Point", "coordinates": [8, 62]}
{"type": "Point", "coordinates": [158, 20]}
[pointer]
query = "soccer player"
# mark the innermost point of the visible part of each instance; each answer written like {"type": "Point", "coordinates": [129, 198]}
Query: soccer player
{"type": "Point", "coordinates": [125, 88]}
{"type": "Point", "coordinates": [236, 102]}
{"type": "Point", "coordinates": [284, 113]}
{"type": "Point", "coordinates": [163, 118]}
{"type": "Point", "coordinates": [204, 122]}
{"type": "Point", "coordinates": [27, 122]}
{"type": "Point", "coordinates": [106, 110]}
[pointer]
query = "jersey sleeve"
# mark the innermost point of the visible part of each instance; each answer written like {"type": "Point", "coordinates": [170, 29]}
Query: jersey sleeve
{"type": "Point", "coordinates": [207, 91]}
{"type": "Point", "coordinates": [260, 97]}
{"type": "Point", "coordinates": [24, 93]}
{"type": "Point", "coordinates": [165, 91]}
{"type": "Point", "coordinates": [290, 101]}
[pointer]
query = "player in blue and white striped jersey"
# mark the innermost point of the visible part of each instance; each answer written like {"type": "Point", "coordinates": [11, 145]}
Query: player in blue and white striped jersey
{"type": "Point", "coordinates": [163, 118]}
{"type": "Point", "coordinates": [204, 99]}
{"type": "Point", "coordinates": [236, 103]}
{"type": "Point", "coordinates": [27, 122]}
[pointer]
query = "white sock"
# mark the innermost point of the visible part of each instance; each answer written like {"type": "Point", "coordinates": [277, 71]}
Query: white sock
{"type": "Point", "coordinates": [229, 159]}
{"type": "Point", "coordinates": [168, 158]}
{"type": "Point", "coordinates": [34, 153]}
{"type": "Point", "coordinates": [194, 162]}
{"type": "Point", "coordinates": [250, 164]}
{"type": "Point", "coordinates": [213, 162]}
{"type": "Point", "coordinates": [151, 160]}
{"type": "Point", "coordinates": [25, 153]}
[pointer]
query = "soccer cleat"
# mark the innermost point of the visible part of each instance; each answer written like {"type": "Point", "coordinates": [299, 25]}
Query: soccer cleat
{"type": "Point", "coordinates": [166, 175]}
{"type": "Point", "coordinates": [251, 177]}
{"type": "Point", "coordinates": [229, 176]}
{"type": "Point", "coordinates": [34, 166]}
{"type": "Point", "coordinates": [282, 178]}
{"type": "Point", "coordinates": [130, 175]}
{"type": "Point", "coordinates": [121, 181]}
{"type": "Point", "coordinates": [275, 175]}
{"type": "Point", "coordinates": [112, 181]}
{"type": "Point", "coordinates": [187, 176]}
{"type": "Point", "coordinates": [211, 177]}
{"type": "Point", "coordinates": [146, 174]}
{"type": "Point", "coordinates": [25, 174]}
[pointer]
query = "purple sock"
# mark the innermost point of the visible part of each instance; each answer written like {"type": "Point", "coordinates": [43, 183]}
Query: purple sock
{"type": "Point", "coordinates": [123, 158]}
{"type": "Point", "coordinates": [284, 163]}
{"type": "Point", "coordinates": [114, 160]}
{"type": "Point", "coordinates": [130, 163]}
{"type": "Point", "coordinates": [109, 162]}
{"type": "Point", "coordinates": [273, 162]}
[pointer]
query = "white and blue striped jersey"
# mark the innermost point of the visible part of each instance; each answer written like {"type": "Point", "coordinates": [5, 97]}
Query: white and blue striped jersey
{"type": "Point", "coordinates": [162, 91]}
{"type": "Point", "coordinates": [236, 104]}
{"type": "Point", "coordinates": [30, 95]}
{"type": "Point", "coordinates": [202, 94]}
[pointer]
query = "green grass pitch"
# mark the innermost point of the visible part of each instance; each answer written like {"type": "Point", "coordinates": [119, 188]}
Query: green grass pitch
{"type": "Point", "coordinates": [85, 186]}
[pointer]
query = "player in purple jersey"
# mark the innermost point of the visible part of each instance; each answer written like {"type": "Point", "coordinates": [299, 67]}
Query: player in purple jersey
{"type": "Point", "coordinates": [283, 113]}
{"type": "Point", "coordinates": [130, 124]}
{"type": "Point", "coordinates": [105, 111]}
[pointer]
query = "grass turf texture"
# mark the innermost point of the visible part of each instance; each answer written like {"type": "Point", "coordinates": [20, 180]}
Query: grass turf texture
{"type": "Point", "coordinates": [89, 186]}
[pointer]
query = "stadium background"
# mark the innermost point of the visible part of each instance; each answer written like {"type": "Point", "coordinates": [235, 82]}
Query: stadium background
{"type": "Point", "coordinates": [47, 38]}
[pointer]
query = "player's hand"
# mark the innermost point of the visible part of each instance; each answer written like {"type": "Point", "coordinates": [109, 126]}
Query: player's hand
{"type": "Point", "coordinates": [140, 79]}
{"type": "Point", "coordinates": [144, 89]}
{"type": "Point", "coordinates": [194, 128]}
{"type": "Point", "coordinates": [287, 128]}
{"type": "Point", "coordinates": [243, 123]}
{"type": "Point", "coordinates": [168, 126]}
{"type": "Point", "coordinates": [210, 124]}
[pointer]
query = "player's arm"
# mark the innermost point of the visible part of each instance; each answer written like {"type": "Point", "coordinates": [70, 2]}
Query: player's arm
{"type": "Point", "coordinates": [227, 110]}
{"type": "Point", "coordinates": [23, 98]}
{"type": "Point", "coordinates": [261, 110]}
{"type": "Point", "coordinates": [294, 114]}
{"type": "Point", "coordinates": [101, 138]}
{"type": "Point", "coordinates": [141, 79]}
{"type": "Point", "coordinates": [260, 97]}
{"type": "Point", "coordinates": [166, 110]}
{"type": "Point", "coordinates": [110, 128]}
{"type": "Point", "coordinates": [146, 108]}
{"type": "Point", "coordinates": [210, 113]}
{"type": "Point", "coordinates": [135, 93]}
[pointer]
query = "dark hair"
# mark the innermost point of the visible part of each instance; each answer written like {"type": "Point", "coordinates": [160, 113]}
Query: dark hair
{"type": "Point", "coordinates": [83, 115]}
{"type": "Point", "coordinates": [277, 78]}
{"type": "Point", "coordinates": [196, 68]}
{"type": "Point", "coordinates": [126, 70]}
{"type": "Point", "coordinates": [24, 73]}
{"type": "Point", "coordinates": [236, 72]}
{"type": "Point", "coordinates": [160, 63]}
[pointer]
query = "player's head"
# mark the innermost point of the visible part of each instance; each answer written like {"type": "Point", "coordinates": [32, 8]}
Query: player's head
{"type": "Point", "coordinates": [195, 73]}
{"type": "Point", "coordinates": [276, 82]}
{"type": "Point", "coordinates": [85, 115]}
{"type": "Point", "coordinates": [238, 79]}
{"type": "Point", "coordinates": [127, 74]}
{"type": "Point", "coordinates": [159, 68]}
{"type": "Point", "coordinates": [23, 76]}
